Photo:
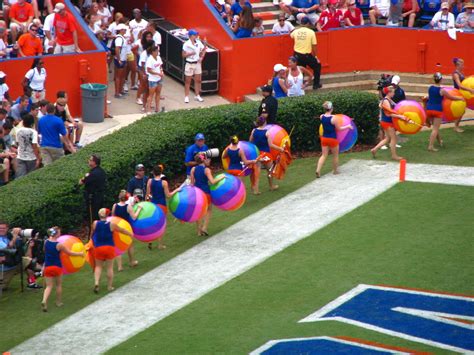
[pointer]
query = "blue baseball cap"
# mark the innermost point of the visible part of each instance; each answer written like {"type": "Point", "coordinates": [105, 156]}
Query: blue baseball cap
{"type": "Point", "coordinates": [193, 33]}
{"type": "Point", "coordinates": [199, 137]}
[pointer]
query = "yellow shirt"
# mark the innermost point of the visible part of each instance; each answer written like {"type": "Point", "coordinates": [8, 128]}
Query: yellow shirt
{"type": "Point", "coordinates": [304, 40]}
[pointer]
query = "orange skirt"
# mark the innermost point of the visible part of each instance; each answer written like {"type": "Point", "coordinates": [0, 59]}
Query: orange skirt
{"type": "Point", "coordinates": [105, 252]}
{"type": "Point", "coordinates": [52, 271]}
{"type": "Point", "coordinates": [386, 125]}
{"type": "Point", "coordinates": [329, 142]}
{"type": "Point", "coordinates": [163, 208]}
{"type": "Point", "coordinates": [434, 114]}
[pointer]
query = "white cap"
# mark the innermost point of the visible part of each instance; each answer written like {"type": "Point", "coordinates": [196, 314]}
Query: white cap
{"type": "Point", "coordinates": [444, 5]}
{"type": "Point", "coordinates": [120, 27]}
{"type": "Point", "coordinates": [278, 67]}
{"type": "Point", "coordinates": [59, 6]}
{"type": "Point", "coordinates": [221, 2]}
{"type": "Point", "coordinates": [2, 75]}
{"type": "Point", "coordinates": [396, 80]}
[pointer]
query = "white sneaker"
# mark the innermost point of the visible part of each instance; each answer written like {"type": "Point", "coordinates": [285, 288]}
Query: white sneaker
{"type": "Point", "coordinates": [384, 147]}
{"type": "Point", "coordinates": [198, 98]}
{"type": "Point", "coordinates": [398, 145]}
{"type": "Point", "coordinates": [125, 87]}
{"type": "Point", "coordinates": [291, 18]}
{"type": "Point", "coordinates": [139, 101]}
{"type": "Point", "coordinates": [109, 102]}
{"type": "Point", "coordinates": [186, 99]}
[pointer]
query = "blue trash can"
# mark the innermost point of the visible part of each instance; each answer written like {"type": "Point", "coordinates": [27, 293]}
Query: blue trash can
{"type": "Point", "coordinates": [93, 102]}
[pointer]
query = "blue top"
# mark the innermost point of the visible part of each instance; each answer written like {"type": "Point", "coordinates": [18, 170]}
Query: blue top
{"type": "Point", "coordinates": [102, 235]}
{"type": "Point", "coordinates": [461, 78]}
{"type": "Point", "coordinates": [277, 88]}
{"type": "Point", "coordinates": [260, 140]}
{"type": "Point", "coordinates": [222, 13]}
{"type": "Point", "coordinates": [243, 33]}
{"type": "Point", "coordinates": [237, 9]}
{"type": "Point", "coordinates": [135, 183]}
{"type": "Point", "coordinates": [51, 127]}
{"type": "Point", "coordinates": [4, 241]}
{"type": "Point", "coordinates": [157, 192]}
{"type": "Point", "coordinates": [304, 4]}
{"type": "Point", "coordinates": [234, 157]}
{"type": "Point", "coordinates": [435, 99]}
{"type": "Point", "coordinates": [201, 179]}
{"type": "Point", "coordinates": [191, 151]}
{"type": "Point", "coordinates": [122, 212]}
{"type": "Point", "coordinates": [383, 116]}
{"type": "Point", "coordinates": [30, 103]}
{"type": "Point", "coordinates": [51, 254]}
{"type": "Point", "coordinates": [329, 130]}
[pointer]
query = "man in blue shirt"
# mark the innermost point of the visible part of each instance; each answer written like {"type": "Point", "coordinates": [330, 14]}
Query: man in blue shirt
{"type": "Point", "coordinates": [300, 9]}
{"type": "Point", "coordinates": [9, 244]}
{"type": "Point", "coordinates": [53, 135]}
{"type": "Point", "coordinates": [138, 181]}
{"type": "Point", "coordinates": [192, 150]}
{"type": "Point", "coordinates": [236, 8]}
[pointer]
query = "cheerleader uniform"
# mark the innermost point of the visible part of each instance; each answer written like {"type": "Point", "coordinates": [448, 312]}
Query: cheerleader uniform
{"type": "Point", "coordinates": [235, 164]}
{"type": "Point", "coordinates": [52, 261]}
{"type": "Point", "coordinates": [461, 78]}
{"type": "Point", "coordinates": [158, 194]}
{"type": "Point", "coordinates": [434, 107]}
{"type": "Point", "coordinates": [122, 212]}
{"type": "Point", "coordinates": [386, 120]}
{"type": "Point", "coordinates": [104, 246]}
{"type": "Point", "coordinates": [261, 141]}
{"type": "Point", "coordinates": [329, 138]}
{"type": "Point", "coordinates": [201, 181]}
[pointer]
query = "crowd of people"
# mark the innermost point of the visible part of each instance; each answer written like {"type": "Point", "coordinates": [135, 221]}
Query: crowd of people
{"type": "Point", "coordinates": [328, 14]}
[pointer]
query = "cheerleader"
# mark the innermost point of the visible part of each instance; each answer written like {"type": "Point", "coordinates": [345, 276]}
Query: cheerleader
{"type": "Point", "coordinates": [237, 159]}
{"type": "Point", "coordinates": [52, 269]}
{"type": "Point", "coordinates": [201, 177]}
{"type": "Point", "coordinates": [329, 140]}
{"type": "Point", "coordinates": [458, 77]}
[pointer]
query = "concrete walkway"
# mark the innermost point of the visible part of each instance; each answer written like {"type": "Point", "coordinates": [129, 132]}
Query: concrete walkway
{"type": "Point", "coordinates": [159, 293]}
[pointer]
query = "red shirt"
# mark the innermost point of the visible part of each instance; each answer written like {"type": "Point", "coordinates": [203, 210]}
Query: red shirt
{"type": "Point", "coordinates": [330, 19]}
{"type": "Point", "coordinates": [30, 46]}
{"type": "Point", "coordinates": [21, 13]}
{"type": "Point", "coordinates": [408, 6]}
{"type": "Point", "coordinates": [355, 19]}
{"type": "Point", "coordinates": [64, 26]}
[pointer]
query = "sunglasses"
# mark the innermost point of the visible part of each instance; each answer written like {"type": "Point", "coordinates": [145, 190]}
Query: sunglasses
{"type": "Point", "coordinates": [33, 29]}
{"type": "Point", "coordinates": [62, 105]}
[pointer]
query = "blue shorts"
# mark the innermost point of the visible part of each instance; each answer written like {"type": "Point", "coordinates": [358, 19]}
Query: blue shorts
{"type": "Point", "coordinates": [118, 65]}
{"type": "Point", "coordinates": [153, 84]}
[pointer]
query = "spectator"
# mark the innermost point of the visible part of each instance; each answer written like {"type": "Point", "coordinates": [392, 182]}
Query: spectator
{"type": "Point", "coordinates": [35, 79]}
{"type": "Point", "coordinates": [342, 5]}
{"type": "Point", "coordinates": [3, 45]}
{"type": "Point", "coordinates": [305, 50]}
{"type": "Point", "coordinates": [222, 9]}
{"type": "Point", "coordinates": [29, 157]}
{"type": "Point", "coordinates": [258, 29]}
{"type": "Point", "coordinates": [193, 52]}
{"type": "Point", "coordinates": [456, 7]}
{"type": "Point", "coordinates": [5, 157]}
{"type": "Point", "coordinates": [156, 35]}
{"type": "Point", "coordinates": [50, 37]}
{"type": "Point", "coordinates": [238, 6]}
{"type": "Point", "coordinates": [10, 244]}
{"type": "Point", "coordinates": [378, 9]}
{"type": "Point", "coordinates": [330, 18]}
{"type": "Point", "coordinates": [65, 30]}
{"type": "Point", "coordinates": [3, 116]}
{"type": "Point", "coordinates": [282, 27]}
{"type": "Point", "coordinates": [105, 11]}
{"type": "Point", "coordinates": [73, 126]}
{"type": "Point", "coordinates": [137, 25]}
{"type": "Point", "coordinates": [399, 94]}
{"type": "Point", "coordinates": [138, 181]}
{"type": "Point", "coordinates": [142, 92]}
{"type": "Point", "coordinates": [154, 71]}
{"type": "Point", "coordinates": [245, 25]}
{"type": "Point", "coordinates": [20, 108]}
{"type": "Point", "coordinates": [94, 187]}
{"type": "Point", "coordinates": [53, 135]}
{"type": "Point", "coordinates": [269, 105]}
{"type": "Point", "coordinates": [112, 31]}
{"type": "Point", "coordinates": [132, 56]}
{"type": "Point", "coordinates": [301, 8]}
{"type": "Point", "coordinates": [279, 83]}
{"type": "Point", "coordinates": [4, 89]}
{"type": "Point", "coordinates": [296, 78]}
{"type": "Point", "coordinates": [198, 146]}
{"type": "Point", "coordinates": [42, 108]}
{"type": "Point", "coordinates": [465, 20]}
{"type": "Point", "coordinates": [7, 138]}
{"type": "Point", "coordinates": [409, 10]}
{"type": "Point", "coordinates": [21, 15]}
{"type": "Point", "coordinates": [395, 13]}
{"type": "Point", "coordinates": [443, 19]}
{"type": "Point", "coordinates": [353, 16]}
{"type": "Point", "coordinates": [120, 59]}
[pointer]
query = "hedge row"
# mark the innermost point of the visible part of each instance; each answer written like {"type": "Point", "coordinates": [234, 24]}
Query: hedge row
{"type": "Point", "coordinates": [51, 196]}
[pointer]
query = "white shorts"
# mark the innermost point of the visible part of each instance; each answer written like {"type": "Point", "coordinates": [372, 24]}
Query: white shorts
{"type": "Point", "coordinates": [191, 69]}
{"type": "Point", "coordinates": [64, 49]}
{"type": "Point", "coordinates": [38, 96]}
{"type": "Point", "coordinates": [383, 11]}
{"type": "Point", "coordinates": [16, 26]}
{"type": "Point", "coordinates": [313, 18]}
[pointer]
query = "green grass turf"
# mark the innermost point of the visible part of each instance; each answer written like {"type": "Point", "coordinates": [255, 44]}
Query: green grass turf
{"type": "Point", "coordinates": [414, 235]}
{"type": "Point", "coordinates": [15, 307]}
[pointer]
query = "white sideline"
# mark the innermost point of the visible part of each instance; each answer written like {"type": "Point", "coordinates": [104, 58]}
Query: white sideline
{"type": "Point", "coordinates": [141, 303]}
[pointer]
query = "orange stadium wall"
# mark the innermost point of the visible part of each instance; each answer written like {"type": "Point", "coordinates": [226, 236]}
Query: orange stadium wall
{"type": "Point", "coordinates": [247, 63]}
{"type": "Point", "coordinates": [65, 72]}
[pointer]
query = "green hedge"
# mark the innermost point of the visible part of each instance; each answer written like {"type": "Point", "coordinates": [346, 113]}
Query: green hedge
{"type": "Point", "coordinates": [51, 196]}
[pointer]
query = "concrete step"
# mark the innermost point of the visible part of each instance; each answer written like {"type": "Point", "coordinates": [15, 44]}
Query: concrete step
{"type": "Point", "coordinates": [267, 15]}
{"type": "Point", "coordinates": [263, 6]}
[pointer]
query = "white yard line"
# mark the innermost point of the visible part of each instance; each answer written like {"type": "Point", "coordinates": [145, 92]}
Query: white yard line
{"type": "Point", "coordinates": [187, 277]}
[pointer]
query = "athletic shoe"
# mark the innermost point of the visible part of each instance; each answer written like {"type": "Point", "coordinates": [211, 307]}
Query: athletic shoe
{"type": "Point", "coordinates": [135, 87]}
{"type": "Point", "coordinates": [398, 146]}
{"type": "Point", "coordinates": [198, 98]}
{"type": "Point", "coordinates": [118, 96]}
{"type": "Point", "coordinates": [125, 87]}
{"type": "Point", "coordinates": [139, 102]}
{"type": "Point", "coordinates": [186, 100]}
{"type": "Point", "coordinates": [78, 145]}
{"type": "Point", "coordinates": [291, 18]}
{"type": "Point", "coordinates": [384, 147]}
{"type": "Point", "coordinates": [109, 102]}
{"type": "Point", "coordinates": [34, 285]}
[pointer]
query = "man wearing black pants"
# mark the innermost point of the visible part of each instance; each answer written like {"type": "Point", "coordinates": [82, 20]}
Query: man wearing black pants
{"type": "Point", "coordinates": [305, 50]}
{"type": "Point", "coordinates": [94, 187]}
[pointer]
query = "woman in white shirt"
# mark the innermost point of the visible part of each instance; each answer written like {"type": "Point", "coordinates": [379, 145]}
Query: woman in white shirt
{"type": "Point", "coordinates": [35, 78]}
{"type": "Point", "coordinates": [296, 78]}
{"type": "Point", "coordinates": [154, 70]}
{"type": "Point", "coordinates": [146, 42]}
{"type": "Point", "coordinates": [443, 19]}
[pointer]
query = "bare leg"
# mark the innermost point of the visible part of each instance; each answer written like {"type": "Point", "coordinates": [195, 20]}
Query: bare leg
{"type": "Point", "coordinates": [322, 160]}
{"type": "Point", "coordinates": [157, 97]}
{"type": "Point", "coordinates": [59, 291]}
{"type": "Point", "coordinates": [434, 134]}
{"type": "Point", "coordinates": [99, 264]}
{"type": "Point", "coordinates": [393, 143]}
{"type": "Point", "coordinates": [380, 144]}
{"type": "Point", "coordinates": [255, 176]}
{"type": "Point", "coordinates": [47, 293]}
{"type": "Point", "coordinates": [119, 263]}
{"type": "Point", "coordinates": [411, 20]}
{"type": "Point", "coordinates": [80, 128]}
{"type": "Point", "coordinates": [456, 126]}
{"type": "Point", "coordinates": [131, 256]}
{"type": "Point", "coordinates": [335, 160]}
{"type": "Point", "coordinates": [151, 95]}
{"type": "Point", "coordinates": [110, 274]}
{"type": "Point", "coordinates": [197, 84]}
{"type": "Point", "coordinates": [205, 220]}
{"type": "Point", "coordinates": [187, 85]}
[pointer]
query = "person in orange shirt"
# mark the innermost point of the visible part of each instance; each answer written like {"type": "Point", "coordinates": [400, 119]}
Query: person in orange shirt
{"type": "Point", "coordinates": [29, 44]}
{"type": "Point", "coordinates": [21, 15]}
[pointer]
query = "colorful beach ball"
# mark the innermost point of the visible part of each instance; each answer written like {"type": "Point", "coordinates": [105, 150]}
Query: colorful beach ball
{"type": "Point", "coordinates": [150, 223]}
{"type": "Point", "coordinates": [414, 112]}
{"type": "Point", "coordinates": [71, 264]}
{"type": "Point", "coordinates": [251, 152]}
{"type": "Point", "coordinates": [347, 137]}
{"type": "Point", "coordinates": [453, 109]}
{"type": "Point", "coordinates": [189, 205]}
{"type": "Point", "coordinates": [228, 194]}
{"type": "Point", "coordinates": [469, 83]}
{"type": "Point", "coordinates": [278, 136]}
{"type": "Point", "coordinates": [122, 241]}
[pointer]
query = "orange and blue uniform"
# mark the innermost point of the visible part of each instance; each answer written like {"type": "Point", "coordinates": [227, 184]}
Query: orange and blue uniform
{"type": "Point", "coordinates": [52, 261]}
{"type": "Point", "coordinates": [434, 106]}
{"type": "Point", "coordinates": [158, 194]}
{"type": "Point", "coordinates": [201, 181]}
{"type": "Point", "coordinates": [386, 120]}
{"type": "Point", "coordinates": [329, 138]}
{"type": "Point", "coordinates": [261, 141]}
{"type": "Point", "coordinates": [235, 164]}
{"type": "Point", "coordinates": [103, 241]}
